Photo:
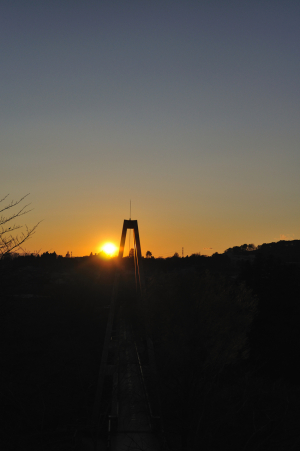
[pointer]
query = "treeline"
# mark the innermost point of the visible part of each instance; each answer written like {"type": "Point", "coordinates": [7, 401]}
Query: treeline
{"type": "Point", "coordinates": [288, 251]}
{"type": "Point", "coordinates": [231, 260]}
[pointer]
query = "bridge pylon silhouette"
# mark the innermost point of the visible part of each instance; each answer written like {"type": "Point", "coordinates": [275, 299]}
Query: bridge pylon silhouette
{"type": "Point", "coordinates": [130, 224]}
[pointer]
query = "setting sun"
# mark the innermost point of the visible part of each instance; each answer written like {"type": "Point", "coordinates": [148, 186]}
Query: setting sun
{"type": "Point", "coordinates": [109, 249]}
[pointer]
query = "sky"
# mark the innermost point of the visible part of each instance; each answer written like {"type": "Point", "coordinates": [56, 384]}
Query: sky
{"type": "Point", "coordinates": [190, 109]}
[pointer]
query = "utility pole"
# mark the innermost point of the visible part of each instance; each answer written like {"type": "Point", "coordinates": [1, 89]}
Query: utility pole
{"type": "Point", "coordinates": [182, 252]}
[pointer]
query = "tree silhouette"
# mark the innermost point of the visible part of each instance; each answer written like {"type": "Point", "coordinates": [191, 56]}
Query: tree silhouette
{"type": "Point", "coordinates": [10, 241]}
{"type": "Point", "coordinates": [148, 254]}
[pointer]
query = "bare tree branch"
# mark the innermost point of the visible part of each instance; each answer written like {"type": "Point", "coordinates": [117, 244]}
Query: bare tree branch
{"type": "Point", "coordinates": [12, 203]}
{"type": "Point", "coordinates": [9, 229]}
{"type": "Point", "coordinates": [9, 243]}
{"type": "Point", "coordinates": [21, 212]}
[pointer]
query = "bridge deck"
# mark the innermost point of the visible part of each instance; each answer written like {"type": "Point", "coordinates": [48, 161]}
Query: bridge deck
{"type": "Point", "coordinates": [134, 426]}
{"type": "Point", "coordinates": [122, 398]}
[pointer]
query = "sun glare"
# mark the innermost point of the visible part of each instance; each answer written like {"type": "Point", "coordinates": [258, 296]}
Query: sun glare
{"type": "Point", "coordinates": [109, 249]}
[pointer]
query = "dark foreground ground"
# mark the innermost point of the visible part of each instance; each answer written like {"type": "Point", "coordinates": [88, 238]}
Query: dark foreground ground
{"type": "Point", "coordinates": [53, 324]}
{"type": "Point", "coordinates": [227, 354]}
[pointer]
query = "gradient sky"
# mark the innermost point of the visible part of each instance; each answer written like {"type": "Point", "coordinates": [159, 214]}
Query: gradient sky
{"type": "Point", "coordinates": [188, 108]}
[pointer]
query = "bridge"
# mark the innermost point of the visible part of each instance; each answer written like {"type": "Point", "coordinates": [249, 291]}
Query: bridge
{"type": "Point", "coordinates": [126, 414]}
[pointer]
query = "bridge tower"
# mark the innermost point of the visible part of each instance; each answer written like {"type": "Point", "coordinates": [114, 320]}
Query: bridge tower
{"type": "Point", "coordinates": [131, 224]}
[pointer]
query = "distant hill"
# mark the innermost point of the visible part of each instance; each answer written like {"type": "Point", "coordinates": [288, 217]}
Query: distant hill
{"type": "Point", "coordinates": [288, 251]}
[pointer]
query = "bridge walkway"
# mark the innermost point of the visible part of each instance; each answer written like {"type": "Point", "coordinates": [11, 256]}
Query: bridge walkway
{"type": "Point", "coordinates": [126, 413]}
{"type": "Point", "coordinates": [133, 429]}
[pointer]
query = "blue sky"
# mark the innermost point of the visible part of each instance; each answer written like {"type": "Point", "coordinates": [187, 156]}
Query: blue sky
{"type": "Point", "coordinates": [190, 109]}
